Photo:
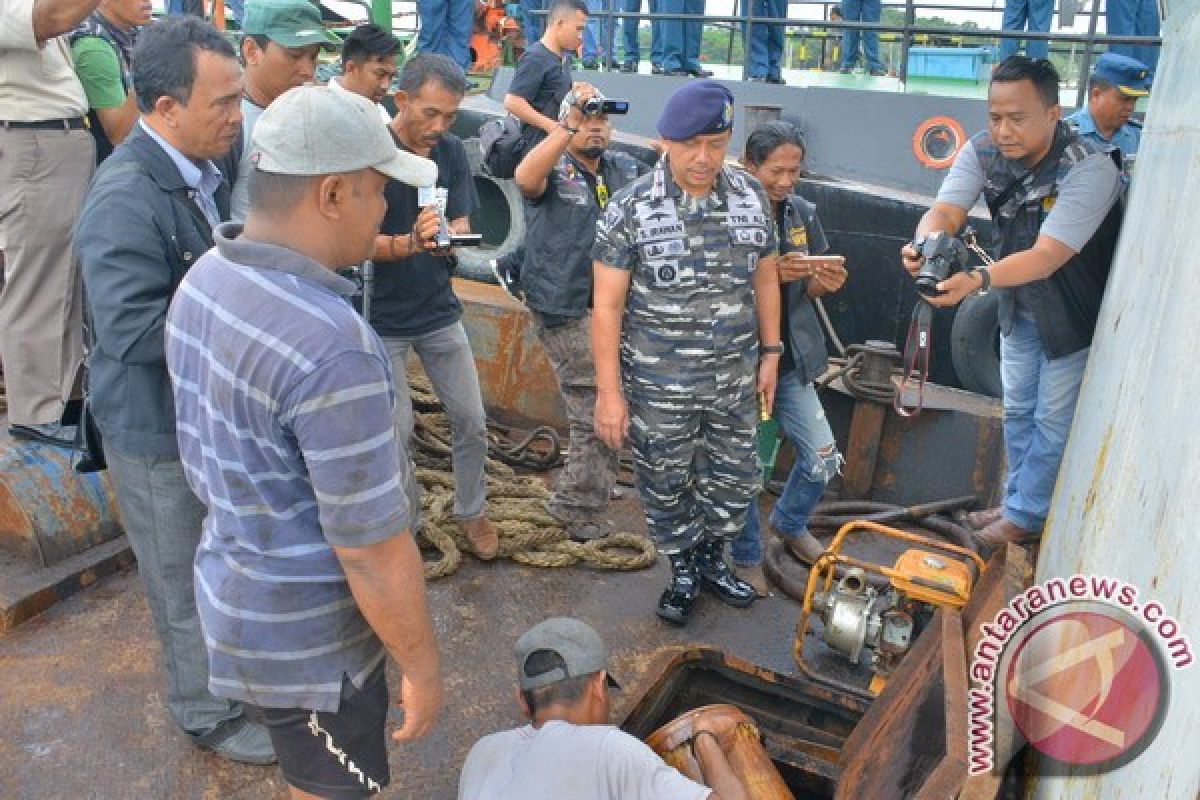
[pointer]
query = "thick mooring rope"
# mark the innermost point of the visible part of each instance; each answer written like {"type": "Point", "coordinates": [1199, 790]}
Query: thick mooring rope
{"type": "Point", "coordinates": [516, 504]}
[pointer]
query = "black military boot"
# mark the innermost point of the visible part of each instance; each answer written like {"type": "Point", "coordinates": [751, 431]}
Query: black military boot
{"type": "Point", "coordinates": [678, 599]}
{"type": "Point", "coordinates": [717, 576]}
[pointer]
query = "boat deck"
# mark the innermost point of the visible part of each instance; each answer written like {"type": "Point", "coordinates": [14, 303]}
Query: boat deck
{"type": "Point", "coordinates": [83, 711]}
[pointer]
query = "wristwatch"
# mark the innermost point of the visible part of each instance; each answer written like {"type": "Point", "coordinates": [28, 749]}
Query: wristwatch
{"type": "Point", "coordinates": [985, 279]}
{"type": "Point", "coordinates": [771, 349]}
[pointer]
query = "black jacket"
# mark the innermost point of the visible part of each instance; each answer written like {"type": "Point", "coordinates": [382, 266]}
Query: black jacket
{"type": "Point", "coordinates": [139, 233]}
{"type": "Point", "coordinates": [1066, 305]}
{"type": "Point", "coordinates": [560, 229]}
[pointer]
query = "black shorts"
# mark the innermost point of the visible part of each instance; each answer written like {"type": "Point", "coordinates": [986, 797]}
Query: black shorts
{"type": "Point", "coordinates": [312, 745]}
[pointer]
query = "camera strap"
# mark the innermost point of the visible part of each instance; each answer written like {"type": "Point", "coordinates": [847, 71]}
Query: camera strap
{"type": "Point", "coordinates": [917, 349]}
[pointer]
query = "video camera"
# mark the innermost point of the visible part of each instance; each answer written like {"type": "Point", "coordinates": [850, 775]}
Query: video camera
{"type": "Point", "coordinates": [436, 196]}
{"type": "Point", "coordinates": [943, 255]}
{"type": "Point", "coordinates": [595, 106]}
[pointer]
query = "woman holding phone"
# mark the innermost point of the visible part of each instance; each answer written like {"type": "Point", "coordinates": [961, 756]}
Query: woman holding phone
{"type": "Point", "coordinates": [774, 154]}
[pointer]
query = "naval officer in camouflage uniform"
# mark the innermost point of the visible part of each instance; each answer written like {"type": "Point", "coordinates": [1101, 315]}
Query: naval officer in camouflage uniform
{"type": "Point", "coordinates": [685, 330]}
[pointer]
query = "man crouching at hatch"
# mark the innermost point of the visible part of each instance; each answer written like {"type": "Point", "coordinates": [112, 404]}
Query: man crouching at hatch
{"type": "Point", "coordinates": [683, 257]}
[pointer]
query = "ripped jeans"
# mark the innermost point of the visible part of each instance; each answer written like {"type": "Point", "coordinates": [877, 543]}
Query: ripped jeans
{"type": "Point", "coordinates": [803, 422]}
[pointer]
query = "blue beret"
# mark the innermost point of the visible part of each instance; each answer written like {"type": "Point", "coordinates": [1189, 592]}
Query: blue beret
{"type": "Point", "coordinates": [1129, 75]}
{"type": "Point", "coordinates": [696, 108]}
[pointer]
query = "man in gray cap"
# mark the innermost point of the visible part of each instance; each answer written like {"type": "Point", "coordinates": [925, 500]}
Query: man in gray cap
{"type": "Point", "coordinates": [686, 338]}
{"type": "Point", "coordinates": [569, 749]}
{"type": "Point", "coordinates": [307, 575]}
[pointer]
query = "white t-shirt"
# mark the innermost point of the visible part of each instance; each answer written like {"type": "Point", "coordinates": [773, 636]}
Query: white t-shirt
{"type": "Point", "coordinates": [37, 81]}
{"type": "Point", "coordinates": [560, 760]}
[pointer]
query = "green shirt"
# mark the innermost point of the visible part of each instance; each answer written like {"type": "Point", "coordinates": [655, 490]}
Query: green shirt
{"type": "Point", "coordinates": [99, 71]}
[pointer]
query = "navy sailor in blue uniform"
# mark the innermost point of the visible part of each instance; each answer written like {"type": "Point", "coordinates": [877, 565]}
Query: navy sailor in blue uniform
{"type": "Point", "coordinates": [686, 335]}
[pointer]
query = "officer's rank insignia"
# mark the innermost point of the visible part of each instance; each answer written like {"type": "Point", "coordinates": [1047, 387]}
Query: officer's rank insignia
{"type": "Point", "coordinates": [727, 115]}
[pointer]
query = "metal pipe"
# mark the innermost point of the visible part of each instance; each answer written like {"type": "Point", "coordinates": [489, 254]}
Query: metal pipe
{"type": "Point", "coordinates": [1086, 63]}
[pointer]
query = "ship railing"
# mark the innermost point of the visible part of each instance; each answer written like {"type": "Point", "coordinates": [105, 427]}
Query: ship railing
{"type": "Point", "coordinates": [908, 31]}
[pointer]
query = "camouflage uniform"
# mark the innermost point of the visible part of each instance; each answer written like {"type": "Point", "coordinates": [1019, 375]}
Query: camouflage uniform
{"type": "Point", "coordinates": [689, 346]}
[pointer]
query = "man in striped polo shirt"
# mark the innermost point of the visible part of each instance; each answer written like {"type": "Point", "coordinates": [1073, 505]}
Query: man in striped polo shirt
{"type": "Point", "coordinates": [307, 574]}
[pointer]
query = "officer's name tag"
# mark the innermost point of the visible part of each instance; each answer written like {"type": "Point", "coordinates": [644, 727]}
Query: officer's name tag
{"type": "Point", "coordinates": [747, 219]}
{"type": "Point", "coordinates": [755, 237]}
{"type": "Point", "coordinates": [665, 249]}
{"type": "Point", "coordinates": [664, 274]}
{"type": "Point", "coordinates": [667, 230]}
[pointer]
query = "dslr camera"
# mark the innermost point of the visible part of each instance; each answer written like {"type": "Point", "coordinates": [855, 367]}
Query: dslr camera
{"type": "Point", "coordinates": [943, 255]}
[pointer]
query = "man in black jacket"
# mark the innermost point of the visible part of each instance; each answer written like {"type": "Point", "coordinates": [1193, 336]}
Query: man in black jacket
{"type": "Point", "coordinates": [567, 180]}
{"type": "Point", "coordinates": [148, 217]}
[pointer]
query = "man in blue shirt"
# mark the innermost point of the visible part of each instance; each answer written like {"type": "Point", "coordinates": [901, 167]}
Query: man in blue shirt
{"type": "Point", "coordinates": [1115, 86]}
{"type": "Point", "coordinates": [307, 575]}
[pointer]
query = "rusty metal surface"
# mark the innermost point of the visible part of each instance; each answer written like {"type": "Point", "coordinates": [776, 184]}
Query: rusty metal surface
{"type": "Point", "coordinates": [862, 449]}
{"type": "Point", "coordinates": [937, 454]}
{"type": "Point", "coordinates": [516, 378]}
{"type": "Point", "coordinates": [803, 723]}
{"type": "Point", "coordinates": [912, 740]}
{"type": "Point", "coordinates": [81, 696]}
{"type": "Point", "coordinates": [49, 512]}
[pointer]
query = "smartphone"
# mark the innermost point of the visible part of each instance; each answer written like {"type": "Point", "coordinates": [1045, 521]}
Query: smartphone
{"type": "Point", "coordinates": [466, 239]}
{"type": "Point", "coordinates": [819, 261]}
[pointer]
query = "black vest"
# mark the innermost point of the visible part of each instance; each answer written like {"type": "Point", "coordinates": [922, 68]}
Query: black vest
{"type": "Point", "coordinates": [122, 43]}
{"type": "Point", "coordinates": [1066, 304]}
{"type": "Point", "coordinates": [556, 275]}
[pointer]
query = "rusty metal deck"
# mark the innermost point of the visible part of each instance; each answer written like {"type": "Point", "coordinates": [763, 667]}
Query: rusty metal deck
{"type": "Point", "coordinates": [81, 692]}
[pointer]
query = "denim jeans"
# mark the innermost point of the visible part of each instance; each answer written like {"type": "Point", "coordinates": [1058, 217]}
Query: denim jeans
{"type": "Point", "coordinates": [681, 39]}
{"type": "Point", "coordinates": [1040, 394]}
{"type": "Point", "coordinates": [446, 356]}
{"type": "Point", "coordinates": [861, 11]}
{"type": "Point", "coordinates": [446, 27]}
{"type": "Point", "coordinates": [535, 24]}
{"type": "Point", "coordinates": [1034, 15]}
{"type": "Point", "coordinates": [629, 33]}
{"type": "Point", "coordinates": [163, 522]}
{"type": "Point", "coordinates": [803, 422]}
{"type": "Point", "coordinates": [766, 41]}
{"type": "Point", "coordinates": [1134, 18]}
{"type": "Point", "coordinates": [600, 31]}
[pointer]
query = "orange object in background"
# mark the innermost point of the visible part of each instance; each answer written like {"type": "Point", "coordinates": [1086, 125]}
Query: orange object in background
{"type": "Point", "coordinates": [493, 28]}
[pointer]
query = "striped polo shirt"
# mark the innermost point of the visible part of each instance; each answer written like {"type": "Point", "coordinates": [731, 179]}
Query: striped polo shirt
{"type": "Point", "coordinates": [284, 403]}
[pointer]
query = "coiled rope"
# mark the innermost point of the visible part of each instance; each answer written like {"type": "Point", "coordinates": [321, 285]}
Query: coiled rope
{"type": "Point", "coordinates": [516, 504]}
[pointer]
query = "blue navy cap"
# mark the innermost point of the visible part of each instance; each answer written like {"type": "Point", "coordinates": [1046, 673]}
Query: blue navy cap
{"type": "Point", "coordinates": [1129, 75]}
{"type": "Point", "coordinates": [696, 108]}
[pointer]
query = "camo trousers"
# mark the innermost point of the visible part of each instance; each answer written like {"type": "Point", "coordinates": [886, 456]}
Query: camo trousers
{"type": "Point", "coordinates": [587, 480]}
{"type": "Point", "coordinates": [696, 466]}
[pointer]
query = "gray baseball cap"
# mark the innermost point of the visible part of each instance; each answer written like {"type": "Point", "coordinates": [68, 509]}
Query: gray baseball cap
{"type": "Point", "coordinates": [576, 643]}
{"type": "Point", "coordinates": [315, 130]}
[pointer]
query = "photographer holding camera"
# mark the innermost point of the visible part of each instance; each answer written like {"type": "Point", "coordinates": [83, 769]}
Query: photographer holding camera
{"type": "Point", "coordinates": [1053, 197]}
{"type": "Point", "coordinates": [413, 303]}
{"type": "Point", "coordinates": [567, 180]}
